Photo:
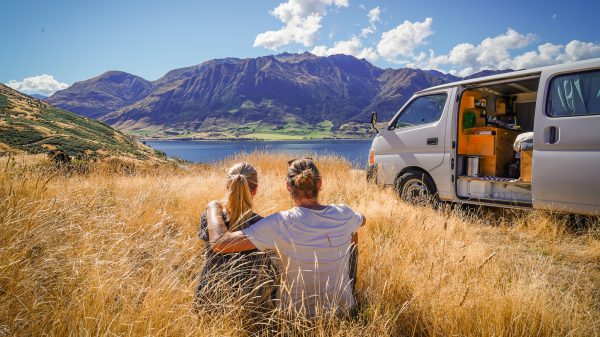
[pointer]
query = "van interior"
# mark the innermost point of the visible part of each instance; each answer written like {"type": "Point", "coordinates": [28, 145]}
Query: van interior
{"type": "Point", "coordinates": [495, 141]}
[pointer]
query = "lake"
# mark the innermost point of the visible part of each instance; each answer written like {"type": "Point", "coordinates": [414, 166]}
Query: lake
{"type": "Point", "coordinates": [208, 151]}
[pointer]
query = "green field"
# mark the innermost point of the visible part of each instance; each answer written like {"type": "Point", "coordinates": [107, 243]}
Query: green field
{"type": "Point", "coordinates": [224, 129]}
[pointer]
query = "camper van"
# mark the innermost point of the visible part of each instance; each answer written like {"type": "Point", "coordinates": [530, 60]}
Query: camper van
{"type": "Point", "coordinates": [525, 139]}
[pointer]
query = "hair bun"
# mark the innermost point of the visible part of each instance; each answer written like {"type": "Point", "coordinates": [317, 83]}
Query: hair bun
{"type": "Point", "coordinates": [305, 180]}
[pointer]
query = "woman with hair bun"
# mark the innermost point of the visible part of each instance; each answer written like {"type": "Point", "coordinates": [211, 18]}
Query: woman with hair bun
{"type": "Point", "coordinates": [247, 276]}
{"type": "Point", "coordinates": [313, 241]}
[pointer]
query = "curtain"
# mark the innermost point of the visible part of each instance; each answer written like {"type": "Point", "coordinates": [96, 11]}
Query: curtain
{"type": "Point", "coordinates": [577, 94]}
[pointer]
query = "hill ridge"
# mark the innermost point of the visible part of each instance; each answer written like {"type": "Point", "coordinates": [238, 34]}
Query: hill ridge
{"type": "Point", "coordinates": [29, 125]}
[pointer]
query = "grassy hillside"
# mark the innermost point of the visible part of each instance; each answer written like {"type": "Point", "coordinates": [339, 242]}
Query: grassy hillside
{"type": "Point", "coordinates": [28, 125]}
{"type": "Point", "coordinates": [107, 253]}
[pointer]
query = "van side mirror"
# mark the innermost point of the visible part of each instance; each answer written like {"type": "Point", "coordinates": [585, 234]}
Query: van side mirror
{"type": "Point", "coordinates": [374, 120]}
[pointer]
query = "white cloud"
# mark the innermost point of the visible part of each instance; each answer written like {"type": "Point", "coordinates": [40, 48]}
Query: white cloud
{"type": "Point", "coordinates": [549, 53]}
{"type": "Point", "coordinates": [490, 53]}
{"type": "Point", "coordinates": [302, 21]}
{"type": "Point", "coordinates": [367, 31]}
{"type": "Point", "coordinates": [373, 16]}
{"type": "Point", "coordinates": [495, 53]}
{"type": "Point", "coordinates": [577, 50]}
{"type": "Point", "coordinates": [353, 47]}
{"type": "Point", "coordinates": [546, 54]}
{"type": "Point", "coordinates": [402, 40]}
{"type": "Point", "coordinates": [298, 30]}
{"type": "Point", "coordinates": [362, 6]}
{"type": "Point", "coordinates": [41, 84]}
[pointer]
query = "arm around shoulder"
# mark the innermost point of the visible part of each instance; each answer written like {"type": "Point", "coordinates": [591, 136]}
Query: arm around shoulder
{"type": "Point", "coordinates": [222, 241]}
{"type": "Point", "coordinates": [232, 242]}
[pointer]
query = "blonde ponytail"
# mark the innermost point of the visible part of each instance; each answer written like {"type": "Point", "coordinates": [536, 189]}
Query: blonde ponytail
{"type": "Point", "coordinates": [242, 181]}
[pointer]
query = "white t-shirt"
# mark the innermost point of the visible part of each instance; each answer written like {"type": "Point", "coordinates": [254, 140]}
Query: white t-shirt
{"type": "Point", "coordinates": [314, 248]}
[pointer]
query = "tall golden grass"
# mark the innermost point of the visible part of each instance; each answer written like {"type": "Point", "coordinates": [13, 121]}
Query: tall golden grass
{"type": "Point", "coordinates": [114, 251]}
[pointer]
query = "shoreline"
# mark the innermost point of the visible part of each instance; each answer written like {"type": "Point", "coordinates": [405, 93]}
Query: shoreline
{"type": "Point", "coordinates": [187, 139]}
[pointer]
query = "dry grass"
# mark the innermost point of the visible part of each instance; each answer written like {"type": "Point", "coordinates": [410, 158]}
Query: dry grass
{"type": "Point", "coordinates": [115, 252]}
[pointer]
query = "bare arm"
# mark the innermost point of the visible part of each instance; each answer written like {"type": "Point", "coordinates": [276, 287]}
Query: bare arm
{"type": "Point", "coordinates": [355, 234]}
{"type": "Point", "coordinates": [222, 241]}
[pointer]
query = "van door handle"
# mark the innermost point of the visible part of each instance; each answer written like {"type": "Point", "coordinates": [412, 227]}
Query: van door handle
{"type": "Point", "coordinates": [551, 135]}
{"type": "Point", "coordinates": [432, 141]}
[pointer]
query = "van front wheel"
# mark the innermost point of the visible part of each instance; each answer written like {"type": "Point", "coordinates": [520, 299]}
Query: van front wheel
{"type": "Point", "coordinates": [415, 186]}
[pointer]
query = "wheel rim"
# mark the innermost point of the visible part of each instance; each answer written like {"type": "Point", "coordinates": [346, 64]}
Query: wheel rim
{"type": "Point", "coordinates": [414, 190]}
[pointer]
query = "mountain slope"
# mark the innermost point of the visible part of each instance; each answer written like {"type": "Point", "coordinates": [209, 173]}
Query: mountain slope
{"type": "Point", "coordinates": [311, 90]}
{"type": "Point", "coordinates": [398, 85]}
{"type": "Point", "coordinates": [39, 96]}
{"type": "Point", "coordinates": [30, 125]}
{"type": "Point", "coordinates": [102, 94]}
{"type": "Point", "coordinates": [298, 95]}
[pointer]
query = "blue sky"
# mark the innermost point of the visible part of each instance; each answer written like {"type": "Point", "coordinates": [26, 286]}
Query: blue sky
{"type": "Point", "coordinates": [69, 41]}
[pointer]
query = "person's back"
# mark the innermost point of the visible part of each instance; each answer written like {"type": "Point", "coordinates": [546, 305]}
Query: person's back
{"type": "Point", "coordinates": [314, 246]}
{"type": "Point", "coordinates": [240, 273]}
{"type": "Point", "coordinates": [247, 277]}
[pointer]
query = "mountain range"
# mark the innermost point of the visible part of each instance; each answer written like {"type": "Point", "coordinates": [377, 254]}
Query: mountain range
{"type": "Point", "coordinates": [274, 96]}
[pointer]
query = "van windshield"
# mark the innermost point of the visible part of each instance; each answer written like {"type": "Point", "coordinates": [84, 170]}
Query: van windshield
{"type": "Point", "coordinates": [422, 110]}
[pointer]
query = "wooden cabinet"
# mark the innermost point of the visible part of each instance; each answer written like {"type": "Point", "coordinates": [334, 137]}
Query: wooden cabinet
{"type": "Point", "coordinates": [482, 145]}
{"type": "Point", "coordinates": [494, 145]}
{"type": "Point", "coordinates": [526, 166]}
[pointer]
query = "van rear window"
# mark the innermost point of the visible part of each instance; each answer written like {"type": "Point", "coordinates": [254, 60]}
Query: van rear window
{"type": "Point", "coordinates": [576, 94]}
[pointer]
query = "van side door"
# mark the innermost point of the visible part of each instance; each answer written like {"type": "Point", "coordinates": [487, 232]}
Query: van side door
{"type": "Point", "coordinates": [416, 135]}
{"type": "Point", "coordinates": [566, 156]}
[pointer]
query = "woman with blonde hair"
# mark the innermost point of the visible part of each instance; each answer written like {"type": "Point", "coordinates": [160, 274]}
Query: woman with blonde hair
{"type": "Point", "coordinates": [247, 277]}
{"type": "Point", "coordinates": [313, 241]}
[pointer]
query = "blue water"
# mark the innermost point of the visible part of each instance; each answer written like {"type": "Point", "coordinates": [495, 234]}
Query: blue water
{"type": "Point", "coordinates": [208, 151]}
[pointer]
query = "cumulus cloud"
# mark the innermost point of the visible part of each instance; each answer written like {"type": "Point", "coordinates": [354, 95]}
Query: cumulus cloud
{"type": "Point", "coordinates": [353, 47]}
{"type": "Point", "coordinates": [546, 54]}
{"type": "Point", "coordinates": [41, 84]}
{"type": "Point", "coordinates": [549, 53]}
{"type": "Point", "coordinates": [495, 53]}
{"type": "Point", "coordinates": [373, 16]}
{"type": "Point", "coordinates": [401, 41]}
{"type": "Point", "coordinates": [577, 50]}
{"type": "Point", "coordinates": [491, 53]}
{"type": "Point", "coordinates": [301, 19]}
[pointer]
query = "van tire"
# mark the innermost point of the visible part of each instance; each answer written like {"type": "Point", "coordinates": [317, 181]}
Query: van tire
{"type": "Point", "coordinates": [372, 174]}
{"type": "Point", "coordinates": [416, 186]}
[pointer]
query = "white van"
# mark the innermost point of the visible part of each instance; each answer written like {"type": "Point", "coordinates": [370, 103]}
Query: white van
{"type": "Point", "coordinates": [527, 139]}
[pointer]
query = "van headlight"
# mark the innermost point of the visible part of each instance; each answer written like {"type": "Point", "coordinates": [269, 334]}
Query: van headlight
{"type": "Point", "coordinates": [371, 156]}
